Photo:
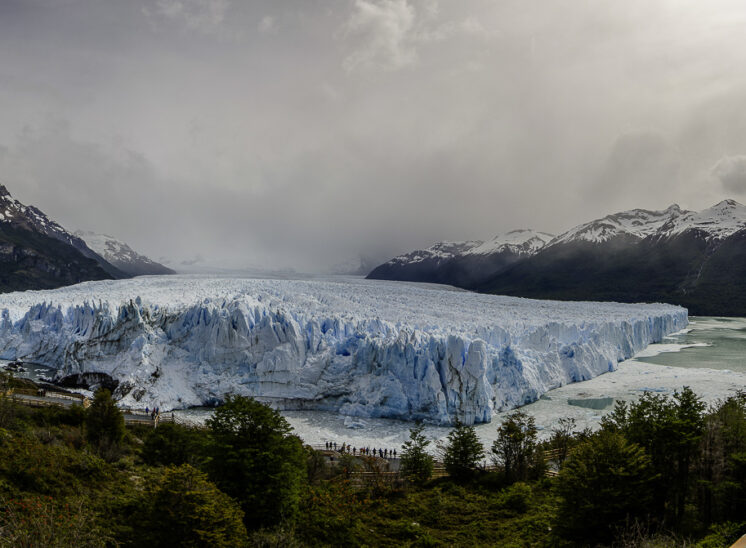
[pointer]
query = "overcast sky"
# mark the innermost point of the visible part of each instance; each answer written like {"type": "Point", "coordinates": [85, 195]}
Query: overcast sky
{"type": "Point", "coordinates": [306, 133]}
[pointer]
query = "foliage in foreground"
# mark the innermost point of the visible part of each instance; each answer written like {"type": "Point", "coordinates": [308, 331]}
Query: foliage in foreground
{"type": "Point", "coordinates": [185, 509]}
{"type": "Point", "coordinates": [256, 460]}
{"type": "Point", "coordinates": [179, 479]}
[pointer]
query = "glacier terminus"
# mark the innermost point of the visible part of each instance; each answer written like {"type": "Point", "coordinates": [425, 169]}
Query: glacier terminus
{"type": "Point", "coordinates": [358, 347]}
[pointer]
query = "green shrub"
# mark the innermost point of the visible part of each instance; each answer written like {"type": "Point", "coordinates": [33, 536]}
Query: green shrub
{"type": "Point", "coordinates": [42, 521]}
{"type": "Point", "coordinates": [104, 424]}
{"type": "Point", "coordinates": [185, 509]}
{"type": "Point", "coordinates": [723, 534]}
{"type": "Point", "coordinates": [174, 444]}
{"type": "Point", "coordinates": [31, 466]}
{"type": "Point", "coordinates": [517, 497]}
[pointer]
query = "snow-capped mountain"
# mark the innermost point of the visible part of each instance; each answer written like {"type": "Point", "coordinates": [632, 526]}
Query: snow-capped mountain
{"type": "Point", "coordinates": [718, 222]}
{"type": "Point", "coordinates": [636, 223]}
{"type": "Point", "coordinates": [440, 252]}
{"type": "Point", "coordinates": [715, 223]}
{"type": "Point", "coordinates": [464, 264]}
{"type": "Point", "coordinates": [14, 213]}
{"type": "Point", "coordinates": [695, 259]}
{"type": "Point", "coordinates": [691, 258]}
{"type": "Point", "coordinates": [520, 242]}
{"type": "Point", "coordinates": [36, 252]}
{"type": "Point", "coordinates": [122, 256]}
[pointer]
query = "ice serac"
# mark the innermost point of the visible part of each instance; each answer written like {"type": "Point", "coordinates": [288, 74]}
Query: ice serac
{"type": "Point", "coordinates": [362, 348]}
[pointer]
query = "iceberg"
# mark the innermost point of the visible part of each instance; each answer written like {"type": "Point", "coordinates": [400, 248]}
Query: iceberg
{"type": "Point", "coordinates": [362, 348]}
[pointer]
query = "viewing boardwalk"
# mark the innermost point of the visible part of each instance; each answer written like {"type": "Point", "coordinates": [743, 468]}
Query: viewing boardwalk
{"type": "Point", "coordinates": [44, 398]}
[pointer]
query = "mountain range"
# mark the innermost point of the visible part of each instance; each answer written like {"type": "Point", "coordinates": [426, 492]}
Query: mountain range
{"type": "Point", "coordinates": [38, 253]}
{"type": "Point", "coordinates": [694, 259]}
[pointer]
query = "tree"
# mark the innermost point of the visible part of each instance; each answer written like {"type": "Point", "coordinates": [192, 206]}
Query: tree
{"type": "Point", "coordinates": [515, 446]}
{"type": "Point", "coordinates": [174, 444]}
{"type": "Point", "coordinates": [721, 470]}
{"type": "Point", "coordinates": [562, 437]}
{"type": "Point", "coordinates": [670, 430]}
{"type": "Point", "coordinates": [416, 464]}
{"type": "Point", "coordinates": [606, 482]}
{"type": "Point", "coordinates": [463, 452]}
{"type": "Point", "coordinates": [186, 509]}
{"type": "Point", "coordinates": [254, 459]}
{"type": "Point", "coordinates": [104, 423]}
{"type": "Point", "coordinates": [688, 428]}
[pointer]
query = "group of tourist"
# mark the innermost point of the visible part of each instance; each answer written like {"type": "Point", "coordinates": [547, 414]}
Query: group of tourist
{"type": "Point", "coordinates": [363, 451]}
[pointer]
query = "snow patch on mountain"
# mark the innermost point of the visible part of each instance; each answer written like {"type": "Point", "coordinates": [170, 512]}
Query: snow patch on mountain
{"type": "Point", "coordinates": [442, 251]}
{"type": "Point", "coordinates": [362, 348]}
{"type": "Point", "coordinates": [520, 242]}
{"type": "Point", "coordinates": [121, 255]}
{"type": "Point", "coordinates": [717, 222]}
{"type": "Point", "coordinates": [29, 217]}
{"type": "Point", "coordinates": [638, 223]}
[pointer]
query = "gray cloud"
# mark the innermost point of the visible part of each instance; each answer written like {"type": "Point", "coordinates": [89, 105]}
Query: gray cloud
{"type": "Point", "coordinates": [384, 29]}
{"type": "Point", "coordinates": [200, 15]}
{"type": "Point", "coordinates": [307, 132]}
{"type": "Point", "coordinates": [638, 162]}
{"type": "Point", "coordinates": [731, 172]}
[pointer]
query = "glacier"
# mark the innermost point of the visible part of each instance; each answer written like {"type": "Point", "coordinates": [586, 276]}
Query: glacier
{"type": "Point", "coordinates": [362, 348]}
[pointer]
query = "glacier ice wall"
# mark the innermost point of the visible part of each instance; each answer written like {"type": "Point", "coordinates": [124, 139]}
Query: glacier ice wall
{"type": "Point", "coordinates": [359, 347]}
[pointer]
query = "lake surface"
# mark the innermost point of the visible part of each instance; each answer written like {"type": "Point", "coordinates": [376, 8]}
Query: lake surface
{"type": "Point", "coordinates": [716, 343]}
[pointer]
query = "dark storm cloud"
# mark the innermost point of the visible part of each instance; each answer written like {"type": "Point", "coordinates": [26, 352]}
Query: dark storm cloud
{"type": "Point", "coordinates": [304, 133]}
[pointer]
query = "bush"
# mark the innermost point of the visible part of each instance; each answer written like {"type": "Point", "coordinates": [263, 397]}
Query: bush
{"type": "Point", "coordinates": [104, 424]}
{"type": "Point", "coordinates": [174, 444]}
{"type": "Point", "coordinates": [517, 497]}
{"type": "Point", "coordinates": [187, 510]}
{"type": "Point", "coordinates": [331, 515]}
{"type": "Point", "coordinates": [42, 521]}
{"type": "Point", "coordinates": [723, 534]}
{"type": "Point", "coordinates": [28, 465]}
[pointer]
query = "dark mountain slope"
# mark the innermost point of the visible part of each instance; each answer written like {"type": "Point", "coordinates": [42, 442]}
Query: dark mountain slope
{"type": "Point", "coordinates": [30, 260]}
{"type": "Point", "coordinates": [708, 277]}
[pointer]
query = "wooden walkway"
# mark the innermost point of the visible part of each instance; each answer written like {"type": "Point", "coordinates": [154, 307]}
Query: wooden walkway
{"type": "Point", "coordinates": [68, 399]}
{"type": "Point", "coordinates": [439, 470]}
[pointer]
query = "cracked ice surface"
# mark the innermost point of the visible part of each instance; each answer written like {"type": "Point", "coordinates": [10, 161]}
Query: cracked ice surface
{"type": "Point", "coordinates": [359, 347]}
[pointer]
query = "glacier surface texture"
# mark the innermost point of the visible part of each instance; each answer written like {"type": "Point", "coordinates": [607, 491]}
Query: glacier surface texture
{"type": "Point", "coordinates": [358, 347]}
